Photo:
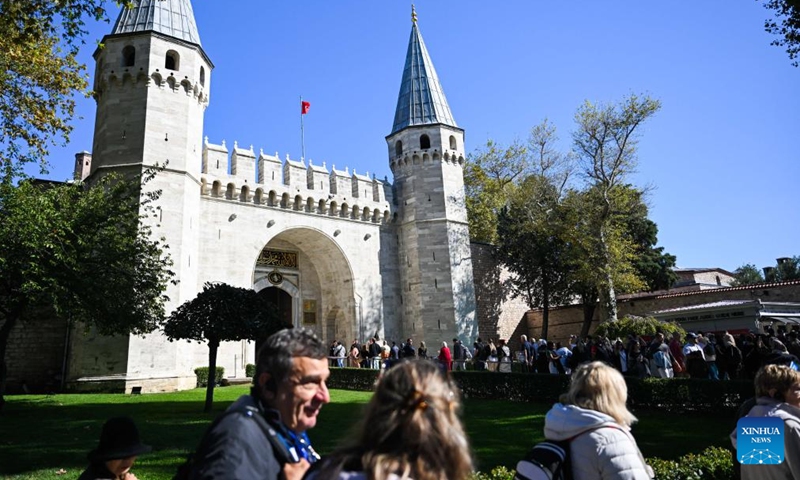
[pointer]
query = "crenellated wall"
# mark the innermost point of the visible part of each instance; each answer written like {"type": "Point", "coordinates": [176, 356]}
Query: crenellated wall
{"type": "Point", "coordinates": [293, 185]}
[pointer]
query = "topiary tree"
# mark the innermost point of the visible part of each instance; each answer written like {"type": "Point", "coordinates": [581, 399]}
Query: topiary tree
{"type": "Point", "coordinates": [638, 326]}
{"type": "Point", "coordinates": [222, 313]}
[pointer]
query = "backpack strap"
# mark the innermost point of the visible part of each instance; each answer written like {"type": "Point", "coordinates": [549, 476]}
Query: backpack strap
{"type": "Point", "coordinates": [279, 446]}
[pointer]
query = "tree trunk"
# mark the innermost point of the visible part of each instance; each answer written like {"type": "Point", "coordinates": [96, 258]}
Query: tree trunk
{"type": "Point", "coordinates": [607, 294]}
{"type": "Point", "coordinates": [212, 374]}
{"type": "Point", "coordinates": [5, 333]}
{"type": "Point", "coordinates": [545, 311]}
{"type": "Point", "coordinates": [589, 306]}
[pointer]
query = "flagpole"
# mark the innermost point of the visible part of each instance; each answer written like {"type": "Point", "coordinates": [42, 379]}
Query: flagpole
{"type": "Point", "coordinates": [302, 132]}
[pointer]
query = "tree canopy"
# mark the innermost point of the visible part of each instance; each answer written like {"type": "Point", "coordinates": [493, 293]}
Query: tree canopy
{"type": "Point", "coordinates": [605, 142]}
{"type": "Point", "coordinates": [637, 326]}
{"type": "Point", "coordinates": [533, 246]}
{"type": "Point", "coordinates": [83, 251]}
{"type": "Point", "coordinates": [786, 26]}
{"type": "Point", "coordinates": [784, 270]}
{"type": "Point", "coordinates": [747, 274]}
{"type": "Point", "coordinates": [222, 313]}
{"type": "Point", "coordinates": [39, 42]}
{"type": "Point", "coordinates": [562, 238]}
{"type": "Point", "coordinates": [490, 176]}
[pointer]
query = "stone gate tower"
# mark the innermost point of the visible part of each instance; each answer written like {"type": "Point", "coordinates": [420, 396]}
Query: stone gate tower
{"type": "Point", "coordinates": [342, 253]}
{"type": "Point", "coordinates": [426, 155]}
{"type": "Point", "coordinates": [151, 86]}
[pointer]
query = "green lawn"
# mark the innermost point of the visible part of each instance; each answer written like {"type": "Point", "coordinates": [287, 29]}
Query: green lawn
{"type": "Point", "coordinates": [39, 435]}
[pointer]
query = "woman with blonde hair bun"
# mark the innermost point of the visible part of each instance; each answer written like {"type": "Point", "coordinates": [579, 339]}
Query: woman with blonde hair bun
{"type": "Point", "coordinates": [410, 430]}
{"type": "Point", "coordinates": [593, 416]}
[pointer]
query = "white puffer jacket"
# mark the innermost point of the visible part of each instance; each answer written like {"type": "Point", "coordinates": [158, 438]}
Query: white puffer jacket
{"type": "Point", "coordinates": [600, 449]}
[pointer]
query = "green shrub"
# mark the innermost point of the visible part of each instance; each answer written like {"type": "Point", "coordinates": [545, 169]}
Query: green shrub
{"type": "Point", "coordinates": [519, 387]}
{"type": "Point", "coordinates": [689, 394]}
{"type": "Point", "coordinates": [497, 473]}
{"type": "Point", "coordinates": [640, 326]}
{"type": "Point", "coordinates": [713, 463]}
{"type": "Point", "coordinates": [674, 394]}
{"type": "Point", "coordinates": [250, 370]}
{"type": "Point", "coordinates": [360, 379]}
{"type": "Point", "coordinates": [202, 376]}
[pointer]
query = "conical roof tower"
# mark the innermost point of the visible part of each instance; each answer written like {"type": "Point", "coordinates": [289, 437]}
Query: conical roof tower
{"type": "Point", "coordinates": [435, 299]}
{"type": "Point", "coordinates": [421, 100]}
{"type": "Point", "coordinates": [174, 18]}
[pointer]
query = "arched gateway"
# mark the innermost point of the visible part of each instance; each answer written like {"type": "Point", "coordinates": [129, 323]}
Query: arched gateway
{"type": "Point", "coordinates": [308, 278]}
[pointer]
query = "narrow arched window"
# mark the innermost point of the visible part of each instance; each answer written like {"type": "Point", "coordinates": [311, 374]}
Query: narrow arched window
{"type": "Point", "coordinates": [424, 142]}
{"type": "Point", "coordinates": [398, 148]}
{"type": "Point", "coordinates": [202, 76]}
{"type": "Point", "coordinates": [172, 61]}
{"type": "Point", "coordinates": [453, 145]}
{"type": "Point", "coordinates": [128, 56]}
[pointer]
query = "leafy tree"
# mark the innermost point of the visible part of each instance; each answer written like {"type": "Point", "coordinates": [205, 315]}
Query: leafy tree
{"type": "Point", "coordinates": [83, 251]}
{"type": "Point", "coordinates": [39, 42]}
{"type": "Point", "coordinates": [653, 266]}
{"type": "Point", "coordinates": [784, 270]}
{"type": "Point", "coordinates": [533, 248]}
{"type": "Point", "coordinates": [787, 268]}
{"type": "Point", "coordinates": [222, 313]}
{"type": "Point", "coordinates": [747, 274]}
{"type": "Point", "coordinates": [637, 326]}
{"type": "Point", "coordinates": [786, 25]}
{"type": "Point", "coordinates": [494, 172]}
{"type": "Point", "coordinates": [605, 142]}
{"type": "Point", "coordinates": [582, 206]}
{"type": "Point", "coordinates": [490, 176]}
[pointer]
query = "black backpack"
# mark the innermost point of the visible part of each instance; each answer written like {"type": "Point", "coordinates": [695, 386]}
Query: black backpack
{"type": "Point", "coordinates": [549, 460]}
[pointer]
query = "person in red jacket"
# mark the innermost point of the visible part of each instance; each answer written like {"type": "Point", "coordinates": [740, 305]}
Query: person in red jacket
{"type": "Point", "coordinates": [676, 349]}
{"type": "Point", "coordinates": [445, 359]}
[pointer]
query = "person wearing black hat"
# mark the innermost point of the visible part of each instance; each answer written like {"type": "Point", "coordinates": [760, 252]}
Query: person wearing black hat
{"type": "Point", "coordinates": [118, 448]}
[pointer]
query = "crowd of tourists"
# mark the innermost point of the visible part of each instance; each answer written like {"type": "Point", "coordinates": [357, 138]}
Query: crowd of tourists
{"type": "Point", "coordinates": [698, 355]}
{"type": "Point", "coordinates": [411, 428]}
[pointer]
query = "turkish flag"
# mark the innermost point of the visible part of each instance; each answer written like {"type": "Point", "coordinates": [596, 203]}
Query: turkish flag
{"type": "Point", "coordinates": [304, 106]}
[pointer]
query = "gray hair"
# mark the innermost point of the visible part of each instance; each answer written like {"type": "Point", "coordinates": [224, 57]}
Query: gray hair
{"type": "Point", "coordinates": [275, 356]}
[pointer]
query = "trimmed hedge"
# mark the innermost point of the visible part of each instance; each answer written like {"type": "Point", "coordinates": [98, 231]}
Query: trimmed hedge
{"type": "Point", "coordinates": [359, 379]}
{"type": "Point", "coordinates": [202, 376]}
{"type": "Point", "coordinates": [713, 463]}
{"type": "Point", "coordinates": [675, 395]}
{"type": "Point", "coordinates": [250, 370]}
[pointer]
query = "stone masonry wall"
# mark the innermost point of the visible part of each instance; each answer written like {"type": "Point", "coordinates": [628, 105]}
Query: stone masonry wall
{"type": "Point", "coordinates": [498, 315]}
{"type": "Point", "coordinates": [565, 321]}
{"type": "Point", "coordinates": [35, 354]}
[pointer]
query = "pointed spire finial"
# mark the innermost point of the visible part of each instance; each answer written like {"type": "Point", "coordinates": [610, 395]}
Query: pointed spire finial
{"type": "Point", "coordinates": [413, 14]}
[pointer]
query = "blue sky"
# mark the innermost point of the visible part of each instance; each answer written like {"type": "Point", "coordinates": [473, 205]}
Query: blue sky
{"type": "Point", "coordinates": [719, 153]}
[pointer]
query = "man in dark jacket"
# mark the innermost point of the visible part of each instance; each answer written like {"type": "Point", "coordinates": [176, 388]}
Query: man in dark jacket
{"type": "Point", "coordinates": [263, 435]}
{"type": "Point", "coordinates": [408, 349]}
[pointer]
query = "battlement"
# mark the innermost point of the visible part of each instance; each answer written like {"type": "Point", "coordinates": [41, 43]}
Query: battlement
{"type": "Point", "coordinates": [406, 161]}
{"type": "Point", "coordinates": [242, 176]}
{"type": "Point", "coordinates": [113, 79]}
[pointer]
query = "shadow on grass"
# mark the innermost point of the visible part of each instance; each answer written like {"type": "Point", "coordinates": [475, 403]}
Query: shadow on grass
{"type": "Point", "coordinates": [40, 435]}
{"type": "Point", "coordinates": [49, 434]}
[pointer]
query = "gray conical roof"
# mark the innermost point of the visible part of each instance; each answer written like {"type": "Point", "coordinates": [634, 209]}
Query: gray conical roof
{"type": "Point", "coordinates": [421, 100]}
{"type": "Point", "coordinates": [170, 17]}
